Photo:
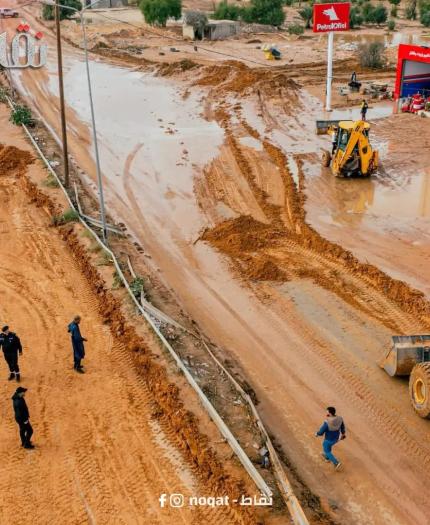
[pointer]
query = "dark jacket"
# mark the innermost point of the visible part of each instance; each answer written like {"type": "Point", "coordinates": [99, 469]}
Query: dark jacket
{"type": "Point", "coordinates": [332, 428]}
{"type": "Point", "coordinates": [10, 343]}
{"type": "Point", "coordinates": [77, 340]}
{"type": "Point", "coordinates": [20, 408]}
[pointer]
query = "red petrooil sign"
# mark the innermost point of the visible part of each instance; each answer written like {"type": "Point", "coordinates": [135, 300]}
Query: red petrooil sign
{"type": "Point", "coordinates": [331, 17]}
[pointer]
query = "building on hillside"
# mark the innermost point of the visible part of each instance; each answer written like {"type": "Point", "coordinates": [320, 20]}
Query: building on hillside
{"type": "Point", "coordinates": [214, 30]}
{"type": "Point", "coordinates": [103, 4]}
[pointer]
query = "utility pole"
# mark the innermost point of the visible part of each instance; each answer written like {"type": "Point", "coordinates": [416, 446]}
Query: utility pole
{"type": "Point", "coordinates": [61, 89]}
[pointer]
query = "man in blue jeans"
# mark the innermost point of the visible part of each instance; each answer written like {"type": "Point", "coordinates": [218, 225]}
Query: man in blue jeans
{"type": "Point", "coordinates": [332, 429]}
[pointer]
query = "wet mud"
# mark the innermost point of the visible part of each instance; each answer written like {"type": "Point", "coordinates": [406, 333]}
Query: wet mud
{"type": "Point", "coordinates": [241, 236]}
{"type": "Point", "coordinates": [170, 407]}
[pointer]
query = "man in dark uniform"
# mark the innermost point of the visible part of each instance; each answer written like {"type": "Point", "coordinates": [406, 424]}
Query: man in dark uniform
{"type": "Point", "coordinates": [22, 417]}
{"type": "Point", "coordinates": [77, 344]}
{"type": "Point", "coordinates": [363, 109]}
{"type": "Point", "coordinates": [11, 345]}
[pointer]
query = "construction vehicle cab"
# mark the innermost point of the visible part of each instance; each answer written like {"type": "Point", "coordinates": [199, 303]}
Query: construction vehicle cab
{"type": "Point", "coordinates": [351, 155]}
{"type": "Point", "coordinates": [409, 355]}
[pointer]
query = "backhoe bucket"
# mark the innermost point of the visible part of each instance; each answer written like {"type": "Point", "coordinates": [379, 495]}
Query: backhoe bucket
{"type": "Point", "coordinates": [323, 126]}
{"type": "Point", "coordinates": [405, 352]}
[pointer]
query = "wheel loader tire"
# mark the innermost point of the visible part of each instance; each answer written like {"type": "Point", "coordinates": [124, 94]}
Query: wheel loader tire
{"type": "Point", "coordinates": [419, 389]}
{"type": "Point", "coordinates": [326, 159]}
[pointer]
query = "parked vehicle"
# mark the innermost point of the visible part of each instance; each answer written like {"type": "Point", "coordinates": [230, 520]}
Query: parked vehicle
{"type": "Point", "coordinates": [5, 12]}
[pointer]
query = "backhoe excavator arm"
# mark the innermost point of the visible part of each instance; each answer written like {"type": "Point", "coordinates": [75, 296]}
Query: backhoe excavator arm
{"type": "Point", "coordinates": [357, 135]}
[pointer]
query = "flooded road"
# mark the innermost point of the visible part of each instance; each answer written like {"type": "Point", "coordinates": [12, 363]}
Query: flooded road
{"type": "Point", "coordinates": [298, 343]}
{"type": "Point", "coordinates": [385, 219]}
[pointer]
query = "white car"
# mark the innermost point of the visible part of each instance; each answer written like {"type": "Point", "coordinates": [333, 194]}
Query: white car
{"type": "Point", "coordinates": [5, 12]}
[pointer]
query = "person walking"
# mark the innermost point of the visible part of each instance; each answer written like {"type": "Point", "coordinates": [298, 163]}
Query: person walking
{"type": "Point", "coordinates": [77, 344]}
{"type": "Point", "coordinates": [22, 417]}
{"type": "Point", "coordinates": [363, 109]}
{"type": "Point", "coordinates": [332, 429]}
{"type": "Point", "coordinates": [11, 346]}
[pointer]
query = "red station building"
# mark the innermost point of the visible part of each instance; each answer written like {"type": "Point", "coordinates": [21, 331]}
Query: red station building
{"type": "Point", "coordinates": [413, 71]}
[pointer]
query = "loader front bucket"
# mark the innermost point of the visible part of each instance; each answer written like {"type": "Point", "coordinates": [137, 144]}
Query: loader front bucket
{"type": "Point", "coordinates": [324, 125]}
{"type": "Point", "coordinates": [405, 352]}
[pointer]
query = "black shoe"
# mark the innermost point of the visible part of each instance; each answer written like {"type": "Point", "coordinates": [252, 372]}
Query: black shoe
{"type": "Point", "coordinates": [29, 446]}
{"type": "Point", "coordinates": [11, 376]}
{"type": "Point", "coordinates": [80, 370]}
{"type": "Point", "coordinates": [18, 377]}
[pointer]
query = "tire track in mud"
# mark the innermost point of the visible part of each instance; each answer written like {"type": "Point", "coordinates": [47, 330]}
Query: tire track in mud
{"type": "Point", "coordinates": [400, 306]}
{"type": "Point", "coordinates": [377, 305]}
{"type": "Point", "coordinates": [295, 248]}
{"type": "Point", "coordinates": [329, 365]}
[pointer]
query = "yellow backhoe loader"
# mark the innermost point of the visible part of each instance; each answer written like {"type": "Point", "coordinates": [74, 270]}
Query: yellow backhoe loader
{"type": "Point", "coordinates": [351, 155]}
{"type": "Point", "coordinates": [409, 355]}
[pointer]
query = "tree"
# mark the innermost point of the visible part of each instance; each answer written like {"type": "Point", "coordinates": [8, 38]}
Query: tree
{"type": "Point", "coordinates": [226, 11]}
{"type": "Point", "coordinates": [391, 25]}
{"type": "Point", "coordinates": [372, 55]}
{"type": "Point", "coordinates": [355, 18]}
{"type": "Point", "coordinates": [268, 12]}
{"type": "Point", "coordinates": [48, 12]}
{"type": "Point", "coordinates": [425, 12]}
{"type": "Point", "coordinates": [157, 12]}
{"type": "Point", "coordinates": [411, 10]}
{"type": "Point", "coordinates": [380, 14]}
{"type": "Point", "coordinates": [395, 2]}
{"type": "Point", "coordinates": [374, 14]}
{"type": "Point", "coordinates": [307, 13]}
{"type": "Point", "coordinates": [367, 11]}
{"type": "Point", "coordinates": [197, 20]}
{"type": "Point", "coordinates": [393, 11]}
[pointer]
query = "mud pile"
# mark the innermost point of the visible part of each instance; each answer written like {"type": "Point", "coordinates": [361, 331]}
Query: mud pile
{"type": "Point", "coordinates": [236, 77]}
{"type": "Point", "coordinates": [242, 236]}
{"type": "Point", "coordinates": [13, 159]}
{"type": "Point", "coordinates": [264, 269]}
{"type": "Point", "coordinates": [168, 69]}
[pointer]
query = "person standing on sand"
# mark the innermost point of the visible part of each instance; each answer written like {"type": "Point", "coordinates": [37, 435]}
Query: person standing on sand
{"type": "Point", "coordinates": [22, 417]}
{"type": "Point", "coordinates": [11, 345]}
{"type": "Point", "coordinates": [77, 344]}
{"type": "Point", "coordinates": [332, 429]}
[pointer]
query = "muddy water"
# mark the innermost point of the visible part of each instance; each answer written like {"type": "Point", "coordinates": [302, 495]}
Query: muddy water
{"type": "Point", "coordinates": [384, 219]}
{"type": "Point", "coordinates": [151, 140]}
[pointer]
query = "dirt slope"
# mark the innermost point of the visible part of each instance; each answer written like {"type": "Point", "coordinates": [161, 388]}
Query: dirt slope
{"type": "Point", "coordinates": [101, 454]}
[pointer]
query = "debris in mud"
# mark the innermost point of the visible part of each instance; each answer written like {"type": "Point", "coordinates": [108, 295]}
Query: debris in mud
{"type": "Point", "coordinates": [13, 159]}
{"type": "Point", "coordinates": [167, 69]}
